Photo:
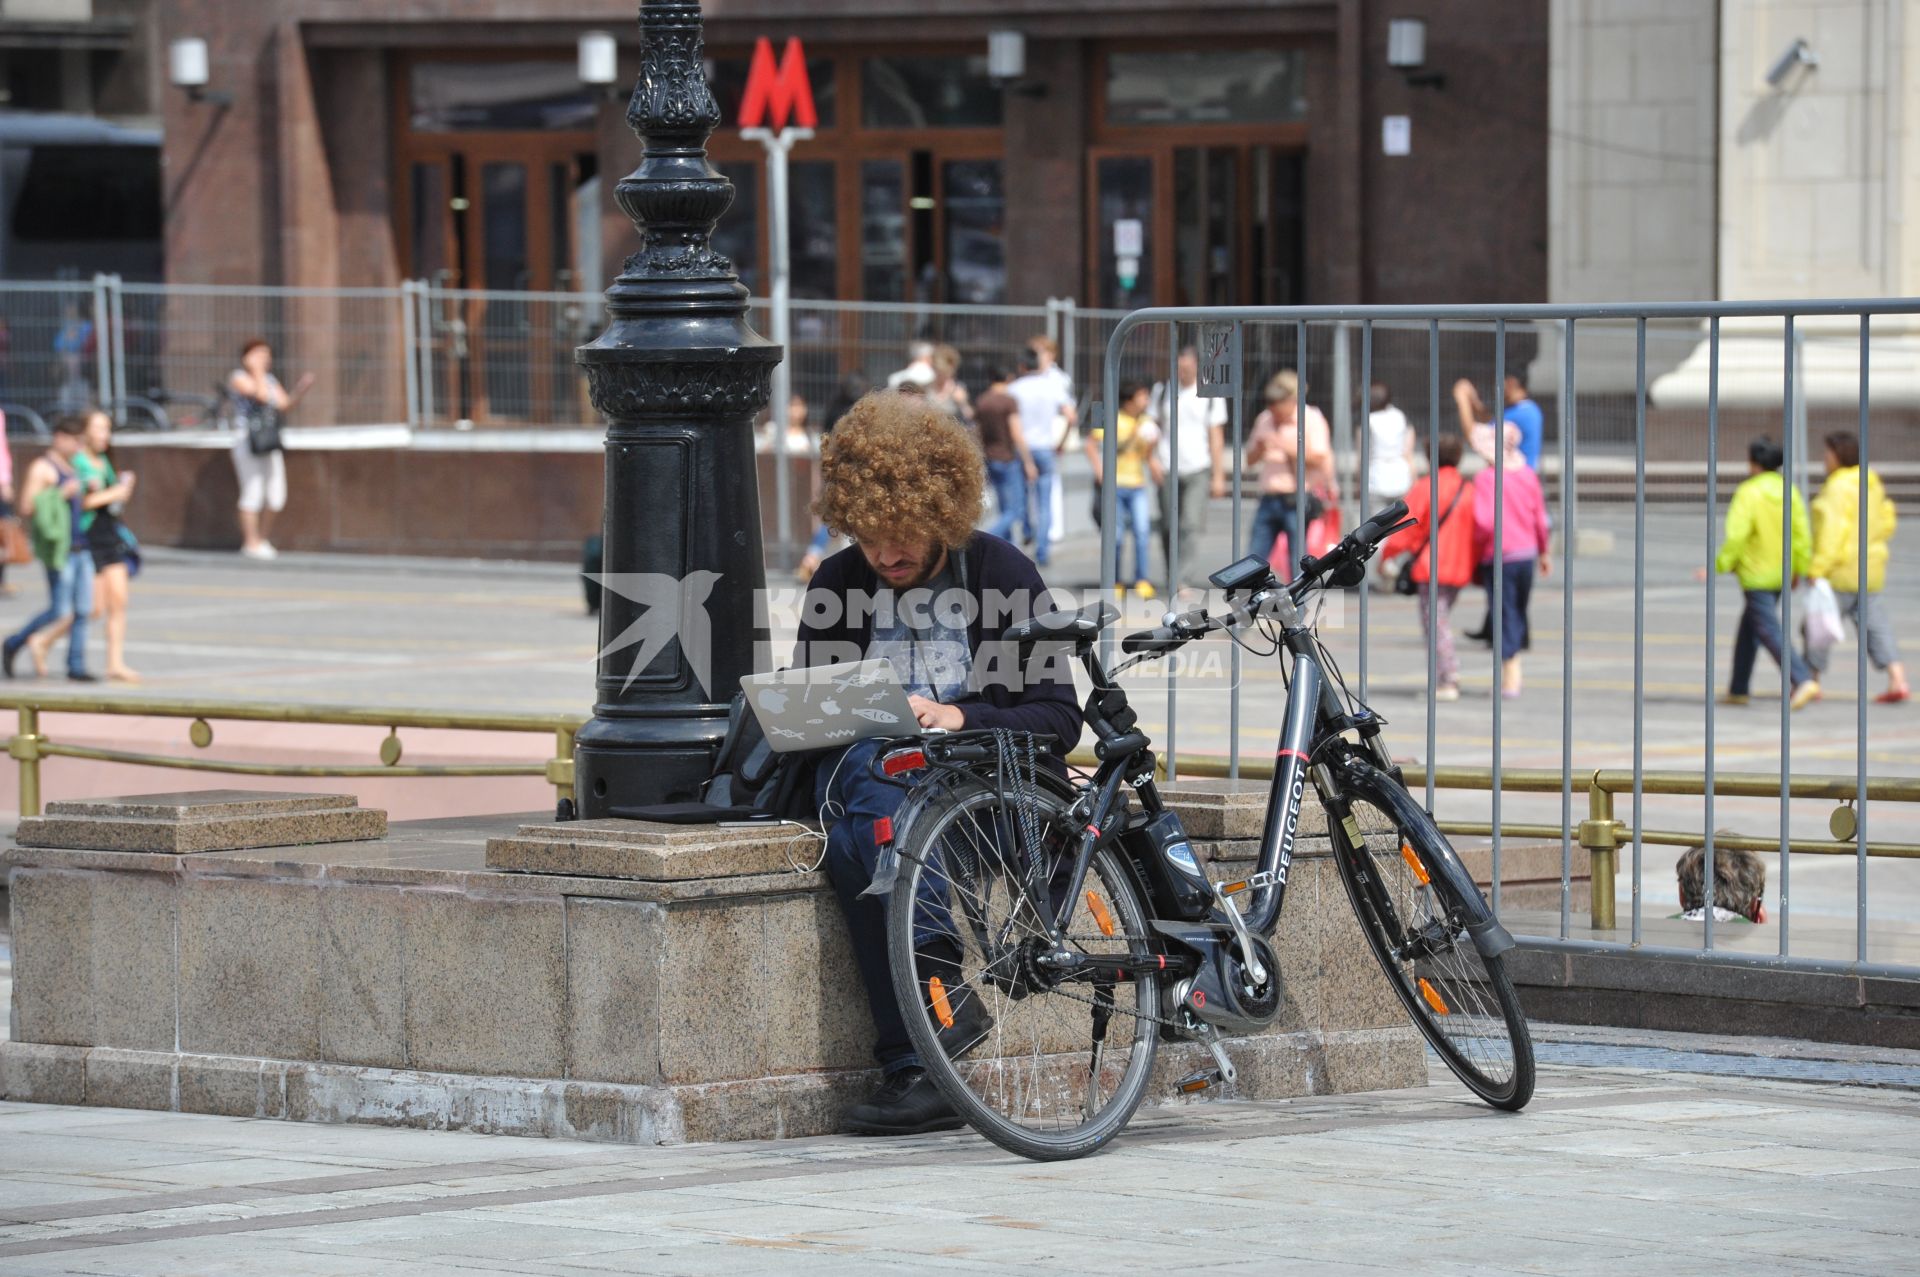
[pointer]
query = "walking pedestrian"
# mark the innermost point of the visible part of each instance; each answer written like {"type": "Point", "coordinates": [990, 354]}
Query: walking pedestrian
{"type": "Point", "coordinates": [1274, 446]}
{"type": "Point", "coordinates": [1134, 436]}
{"type": "Point", "coordinates": [1520, 550]}
{"type": "Point", "coordinates": [51, 493]}
{"type": "Point", "coordinates": [259, 458]}
{"type": "Point", "coordinates": [1003, 440]}
{"type": "Point", "coordinates": [1836, 560]}
{"type": "Point", "coordinates": [946, 392]}
{"type": "Point", "coordinates": [1046, 411]}
{"type": "Point", "coordinates": [1390, 449]}
{"type": "Point", "coordinates": [1520, 411]}
{"type": "Point", "coordinates": [1046, 361]}
{"type": "Point", "coordinates": [1752, 552]}
{"type": "Point", "coordinates": [1452, 531]}
{"type": "Point", "coordinates": [104, 494]}
{"type": "Point", "coordinates": [1195, 462]}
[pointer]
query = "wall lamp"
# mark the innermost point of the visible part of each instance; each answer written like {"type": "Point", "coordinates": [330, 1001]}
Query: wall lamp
{"type": "Point", "coordinates": [1007, 64]}
{"type": "Point", "coordinates": [187, 68]}
{"type": "Point", "coordinates": [599, 62]}
{"type": "Point", "coordinates": [1407, 53]}
{"type": "Point", "coordinates": [1798, 54]}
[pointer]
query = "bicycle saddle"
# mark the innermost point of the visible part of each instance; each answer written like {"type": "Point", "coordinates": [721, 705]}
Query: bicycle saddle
{"type": "Point", "coordinates": [1083, 626]}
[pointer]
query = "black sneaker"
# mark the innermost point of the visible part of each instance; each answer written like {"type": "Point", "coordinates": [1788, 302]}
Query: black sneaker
{"type": "Point", "coordinates": [9, 652]}
{"type": "Point", "coordinates": [81, 676]}
{"type": "Point", "coordinates": [907, 1103]}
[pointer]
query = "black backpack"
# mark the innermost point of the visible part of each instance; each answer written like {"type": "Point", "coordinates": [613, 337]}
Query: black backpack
{"type": "Point", "coordinates": [749, 781]}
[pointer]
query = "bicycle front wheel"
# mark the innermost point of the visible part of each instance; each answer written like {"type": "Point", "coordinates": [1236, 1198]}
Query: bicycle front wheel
{"type": "Point", "coordinates": [1046, 1068]}
{"type": "Point", "coordinates": [1463, 1003]}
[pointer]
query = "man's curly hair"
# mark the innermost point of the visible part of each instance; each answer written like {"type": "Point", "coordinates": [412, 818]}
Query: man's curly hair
{"type": "Point", "coordinates": [898, 468]}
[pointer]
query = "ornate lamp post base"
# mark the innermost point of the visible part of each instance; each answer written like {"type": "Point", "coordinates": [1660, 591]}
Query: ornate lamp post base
{"type": "Point", "coordinates": [680, 376]}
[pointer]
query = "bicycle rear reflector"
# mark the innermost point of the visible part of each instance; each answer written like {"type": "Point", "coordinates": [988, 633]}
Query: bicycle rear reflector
{"type": "Point", "coordinates": [903, 760]}
{"type": "Point", "coordinates": [1433, 998]}
{"type": "Point", "coordinates": [943, 1008]}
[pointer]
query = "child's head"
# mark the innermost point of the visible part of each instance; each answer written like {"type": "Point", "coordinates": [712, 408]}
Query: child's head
{"type": "Point", "coordinates": [1763, 454]}
{"type": "Point", "coordinates": [1451, 448]}
{"type": "Point", "coordinates": [1134, 396]}
{"type": "Point", "coordinates": [1739, 881]}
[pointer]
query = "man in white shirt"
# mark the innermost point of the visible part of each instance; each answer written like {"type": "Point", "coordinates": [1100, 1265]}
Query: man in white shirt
{"type": "Point", "coordinates": [919, 370]}
{"type": "Point", "coordinates": [1045, 396]}
{"type": "Point", "coordinates": [1198, 471]}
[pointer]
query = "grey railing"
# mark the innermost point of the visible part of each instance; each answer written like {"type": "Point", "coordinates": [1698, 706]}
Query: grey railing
{"type": "Point", "coordinates": [1486, 339]}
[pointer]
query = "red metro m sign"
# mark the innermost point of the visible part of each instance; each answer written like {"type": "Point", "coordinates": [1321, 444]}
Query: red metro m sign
{"type": "Point", "coordinates": [783, 91]}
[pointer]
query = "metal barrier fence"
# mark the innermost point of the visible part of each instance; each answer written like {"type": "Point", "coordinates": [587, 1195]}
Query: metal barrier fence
{"type": "Point", "coordinates": [1595, 600]}
{"type": "Point", "coordinates": [32, 741]}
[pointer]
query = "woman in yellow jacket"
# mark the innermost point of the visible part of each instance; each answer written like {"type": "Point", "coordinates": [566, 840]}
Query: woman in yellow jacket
{"type": "Point", "coordinates": [1836, 558]}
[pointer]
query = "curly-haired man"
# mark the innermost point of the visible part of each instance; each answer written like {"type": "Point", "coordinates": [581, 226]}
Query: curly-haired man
{"type": "Point", "coordinates": [903, 480]}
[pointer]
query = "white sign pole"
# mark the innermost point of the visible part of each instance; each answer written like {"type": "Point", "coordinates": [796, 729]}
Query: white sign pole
{"type": "Point", "coordinates": [779, 285]}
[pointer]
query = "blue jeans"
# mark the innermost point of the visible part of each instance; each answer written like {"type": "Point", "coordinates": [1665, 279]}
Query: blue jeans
{"type": "Point", "coordinates": [1516, 592]}
{"type": "Point", "coordinates": [847, 778]}
{"type": "Point", "coordinates": [69, 593]}
{"type": "Point", "coordinates": [1038, 524]}
{"type": "Point", "coordinates": [1276, 514]}
{"type": "Point", "coordinates": [1135, 514]}
{"type": "Point", "coordinates": [1009, 494]}
{"type": "Point", "coordinates": [1760, 627]}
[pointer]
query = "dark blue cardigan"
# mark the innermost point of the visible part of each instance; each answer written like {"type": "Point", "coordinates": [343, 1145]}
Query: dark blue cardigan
{"type": "Point", "coordinates": [986, 565]}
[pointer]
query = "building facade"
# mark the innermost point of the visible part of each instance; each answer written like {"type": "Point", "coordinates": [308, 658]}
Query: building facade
{"type": "Point", "coordinates": [1230, 153]}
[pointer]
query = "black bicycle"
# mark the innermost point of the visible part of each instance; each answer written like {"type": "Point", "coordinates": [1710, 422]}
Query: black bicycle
{"type": "Point", "coordinates": [1045, 936]}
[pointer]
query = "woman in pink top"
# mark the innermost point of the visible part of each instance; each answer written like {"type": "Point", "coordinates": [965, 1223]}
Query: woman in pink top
{"type": "Point", "coordinates": [1524, 533]}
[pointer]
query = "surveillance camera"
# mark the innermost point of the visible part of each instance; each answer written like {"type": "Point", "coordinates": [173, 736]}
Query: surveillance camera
{"type": "Point", "coordinates": [1799, 53]}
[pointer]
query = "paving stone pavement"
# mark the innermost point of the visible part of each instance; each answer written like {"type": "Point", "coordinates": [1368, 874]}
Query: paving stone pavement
{"type": "Point", "coordinates": [1611, 1169]}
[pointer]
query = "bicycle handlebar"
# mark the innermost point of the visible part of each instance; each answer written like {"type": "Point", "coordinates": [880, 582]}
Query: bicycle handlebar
{"type": "Point", "coordinates": [1178, 629]}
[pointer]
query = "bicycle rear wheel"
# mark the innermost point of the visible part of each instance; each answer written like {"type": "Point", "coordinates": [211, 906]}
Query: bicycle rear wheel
{"type": "Point", "coordinates": [1046, 1069]}
{"type": "Point", "coordinates": [1462, 1002]}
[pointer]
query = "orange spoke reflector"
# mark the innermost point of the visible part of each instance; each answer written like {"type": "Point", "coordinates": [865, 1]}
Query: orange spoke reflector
{"type": "Point", "coordinates": [944, 1009]}
{"type": "Point", "coordinates": [1419, 870]}
{"type": "Point", "coordinates": [1427, 991]}
{"type": "Point", "coordinates": [1101, 917]}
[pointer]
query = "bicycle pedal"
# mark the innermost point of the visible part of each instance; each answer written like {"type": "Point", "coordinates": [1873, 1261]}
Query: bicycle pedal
{"type": "Point", "coordinates": [1199, 1080]}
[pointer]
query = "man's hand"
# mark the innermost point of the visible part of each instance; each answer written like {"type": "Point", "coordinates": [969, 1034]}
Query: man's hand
{"type": "Point", "coordinates": [1217, 488]}
{"type": "Point", "coordinates": [937, 714]}
{"type": "Point", "coordinates": [1700, 574]}
{"type": "Point", "coordinates": [1546, 566]}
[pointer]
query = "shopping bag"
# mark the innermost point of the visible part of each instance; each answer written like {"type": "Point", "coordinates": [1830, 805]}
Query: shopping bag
{"type": "Point", "coordinates": [1823, 626]}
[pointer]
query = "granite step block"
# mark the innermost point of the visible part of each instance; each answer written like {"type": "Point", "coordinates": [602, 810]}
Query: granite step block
{"type": "Point", "coordinates": [651, 852]}
{"type": "Point", "coordinates": [208, 820]}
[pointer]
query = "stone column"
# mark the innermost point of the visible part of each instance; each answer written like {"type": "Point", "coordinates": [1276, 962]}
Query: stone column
{"type": "Point", "coordinates": [680, 377]}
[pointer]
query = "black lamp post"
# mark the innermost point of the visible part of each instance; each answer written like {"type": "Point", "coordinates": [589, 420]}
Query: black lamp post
{"type": "Point", "coordinates": [680, 377]}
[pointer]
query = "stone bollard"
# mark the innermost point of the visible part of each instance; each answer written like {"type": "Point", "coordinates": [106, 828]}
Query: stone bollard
{"type": "Point", "coordinates": [680, 376]}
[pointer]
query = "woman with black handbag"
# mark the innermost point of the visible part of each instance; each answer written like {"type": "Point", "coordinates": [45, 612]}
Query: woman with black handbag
{"type": "Point", "coordinates": [261, 403]}
{"type": "Point", "coordinates": [1455, 539]}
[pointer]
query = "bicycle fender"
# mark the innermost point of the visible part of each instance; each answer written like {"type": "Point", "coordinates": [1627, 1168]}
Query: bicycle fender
{"type": "Point", "coordinates": [1490, 938]}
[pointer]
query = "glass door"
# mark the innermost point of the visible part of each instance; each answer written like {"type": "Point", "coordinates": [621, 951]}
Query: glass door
{"type": "Point", "coordinates": [1124, 233]}
{"type": "Point", "coordinates": [1228, 232]}
{"type": "Point", "coordinates": [491, 223]}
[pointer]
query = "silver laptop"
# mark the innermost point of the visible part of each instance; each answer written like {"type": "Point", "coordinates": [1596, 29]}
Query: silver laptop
{"type": "Point", "coordinates": [826, 706]}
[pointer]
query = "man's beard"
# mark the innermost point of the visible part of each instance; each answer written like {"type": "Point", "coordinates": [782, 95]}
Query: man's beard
{"type": "Point", "coordinates": [923, 572]}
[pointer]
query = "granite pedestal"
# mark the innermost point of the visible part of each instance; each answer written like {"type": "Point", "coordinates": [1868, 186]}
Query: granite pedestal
{"type": "Point", "coordinates": [601, 979]}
